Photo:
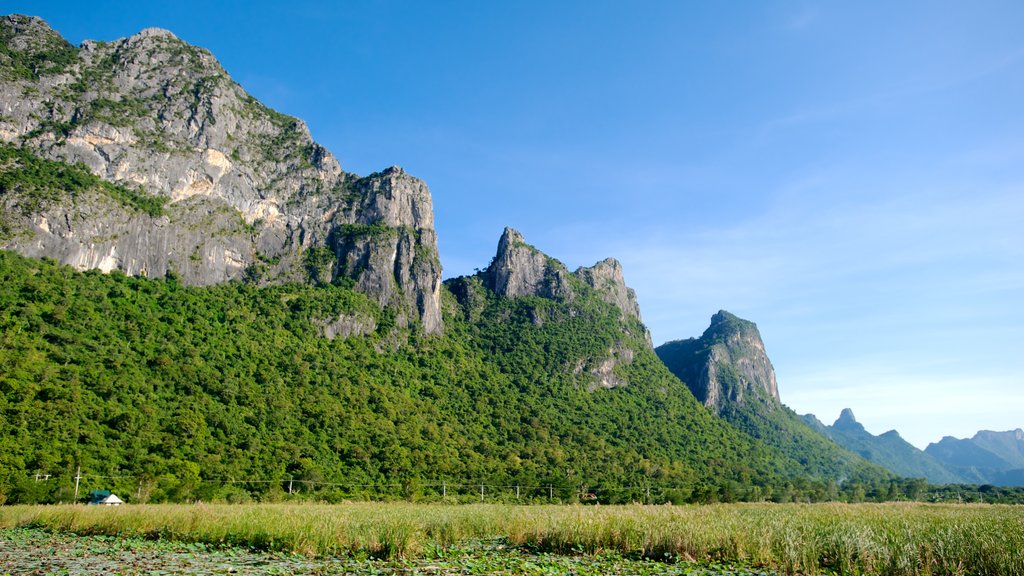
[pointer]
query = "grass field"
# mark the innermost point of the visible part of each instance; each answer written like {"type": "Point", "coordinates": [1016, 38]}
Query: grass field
{"type": "Point", "coordinates": [888, 539]}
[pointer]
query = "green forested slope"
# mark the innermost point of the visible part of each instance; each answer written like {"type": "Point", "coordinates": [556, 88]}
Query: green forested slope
{"type": "Point", "coordinates": [172, 391]}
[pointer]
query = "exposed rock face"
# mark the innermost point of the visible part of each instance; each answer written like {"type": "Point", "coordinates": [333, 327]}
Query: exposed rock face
{"type": "Point", "coordinates": [250, 194]}
{"type": "Point", "coordinates": [519, 269]}
{"type": "Point", "coordinates": [726, 365]}
{"type": "Point", "coordinates": [606, 277]}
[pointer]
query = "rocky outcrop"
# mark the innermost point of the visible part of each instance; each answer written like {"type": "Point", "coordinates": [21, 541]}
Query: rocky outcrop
{"type": "Point", "coordinates": [519, 269]}
{"type": "Point", "coordinates": [726, 366]}
{"type": "Point", "coordinates": [248, 193]}
{"type": "Point", "coordinates": [606, 278]}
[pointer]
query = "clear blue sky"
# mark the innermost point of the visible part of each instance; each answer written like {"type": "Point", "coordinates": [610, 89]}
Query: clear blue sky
{"type": "Point", "coordinates": [849, 175]}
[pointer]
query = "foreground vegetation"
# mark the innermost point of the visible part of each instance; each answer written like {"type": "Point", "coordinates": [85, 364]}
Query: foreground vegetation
{"type": "Point", "coordinates": [892, 539]}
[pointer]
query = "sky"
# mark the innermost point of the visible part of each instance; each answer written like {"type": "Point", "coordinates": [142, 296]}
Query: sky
{"type": "Point", "coordinates": [848, 175]}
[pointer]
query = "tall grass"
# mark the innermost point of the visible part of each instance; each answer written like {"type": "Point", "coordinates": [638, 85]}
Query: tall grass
{"type": "Point", "coordinates": [886, 539]}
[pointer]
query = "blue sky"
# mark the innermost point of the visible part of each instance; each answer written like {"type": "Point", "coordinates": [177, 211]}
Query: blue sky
{"type": "Point", "coordinates": [850, 176]}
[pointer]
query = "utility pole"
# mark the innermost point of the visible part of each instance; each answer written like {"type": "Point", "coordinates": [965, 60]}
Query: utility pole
{"type": "Point", "coordinates": [444, 489]}
{"type": "Point", "coordinates": [78, 477]}
{"type": "Point", "coordinates": [481, 492]}
{"type": "Point", "coordinates": [290, 485]}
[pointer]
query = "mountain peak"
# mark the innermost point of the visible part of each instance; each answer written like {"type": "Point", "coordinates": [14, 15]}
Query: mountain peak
{"type": "Point", "coordinates": [607, 279]}
{"type": "Point", "coordinates": [847, 421]}
{"type": "Point", "coordinates": [235, 190]}
{"type": "Point", "coordinates": [519, 269]}
{"type": "Point", "coordinates": [726, 365]}
{"type": "Point", "coordinates": [846, 418]}
{"type": "Point", "coordinates": [154, 33]}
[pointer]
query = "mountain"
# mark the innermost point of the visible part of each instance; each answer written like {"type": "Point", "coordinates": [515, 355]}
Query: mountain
{"type": "Point", "coordinates": [987, 458]}
{"type": "Point", "coordinates": [727, 369]}
{"type": "Point", "coordinates": [197, 302]}
{"type": "Point", "coordinates": [202, 181]}
{"type": "Point", "coordinates": [889, 450]}
{"type": "Point", "coordinates": [164, 390]}
{"type": "Point", "coordinates": [727, 366]}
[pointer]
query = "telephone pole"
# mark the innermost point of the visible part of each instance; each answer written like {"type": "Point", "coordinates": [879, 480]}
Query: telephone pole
{"type": "Point", "coordinates": [78, 477]}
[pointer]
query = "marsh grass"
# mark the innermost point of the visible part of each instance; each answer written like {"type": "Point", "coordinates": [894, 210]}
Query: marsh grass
{"type": "Point", "coordinates": [887, 539]}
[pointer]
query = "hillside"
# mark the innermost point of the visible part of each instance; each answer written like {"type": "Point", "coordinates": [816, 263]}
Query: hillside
{"type": "Point", "coordinates": [174, 392]}
{"type": "Point", "coordinates": [889, 450]}
{"type": "Point", "coordinates": [728, 370]}
{"type": "Point", "coordinates": [987, 458]}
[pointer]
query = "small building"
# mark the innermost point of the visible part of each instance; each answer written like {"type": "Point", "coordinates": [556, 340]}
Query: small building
{"type": "Point", "coordinates": [111, 500]}
{"type": "Point", "coordinates": [104, 498]}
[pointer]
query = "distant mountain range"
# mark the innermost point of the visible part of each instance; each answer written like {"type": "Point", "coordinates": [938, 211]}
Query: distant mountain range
{"type": "Point", "coordinates": [995, 458]}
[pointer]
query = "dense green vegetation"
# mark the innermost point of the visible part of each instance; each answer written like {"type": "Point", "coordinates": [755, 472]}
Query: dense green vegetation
{"type": "Point", "coordinates": [168, 392]}
{"type": "Point", "coordinates": [30, 183]}
{"type": "Point", "coordinates": [749, 408]}
{"type": "Point", "coordinates": [51, 54]}
{"type": "Point", "coordinates": [889, 449]}
{"type": "Point", "coordinates": [890, 539]}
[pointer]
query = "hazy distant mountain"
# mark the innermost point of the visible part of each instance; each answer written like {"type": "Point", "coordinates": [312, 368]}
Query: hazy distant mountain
{"type": "Point", "coordinates": [889, 450]}
{"type": "Point", "coordinates": [989, 457]}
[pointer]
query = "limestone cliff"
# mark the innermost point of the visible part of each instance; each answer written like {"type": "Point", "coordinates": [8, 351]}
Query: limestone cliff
{"type": "Point", "coordinates": [606, 278]}
{"type": "Point", "coordinates": [519, 270]}
{"type": "Point", "coordinates": [247, 192]}
{"type": "Point", "coordinates": [727, 365]}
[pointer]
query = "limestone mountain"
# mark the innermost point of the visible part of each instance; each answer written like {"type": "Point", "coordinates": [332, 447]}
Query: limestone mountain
{"type": "Point", "coordinates": [209, 184]}
{"type": "Point", "coordinates": [217, 299]}
{"type": "Point", "coordinates": [727, 365]}
{"type": "Point", "coordinates": [728, 370]}
{"type": "Point", "coordinates": [889, 450]}
{"type": "Point", "coordinates": [520, 270]}
{"type": "Point", "coordinates": [988, 457]}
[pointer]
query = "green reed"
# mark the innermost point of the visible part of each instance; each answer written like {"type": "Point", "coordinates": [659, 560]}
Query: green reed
{"type": "Point", "coordinates": [887, 539]}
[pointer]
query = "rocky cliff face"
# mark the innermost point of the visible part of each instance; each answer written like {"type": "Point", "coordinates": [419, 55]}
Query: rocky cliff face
{"type": "Point", "coordinates": [726, 365]}
{"type": "Point", "coordinates": [606, 278]}
{"type": "Point", "coordinates": [247, 192]}
{"type": "Point", "coordinates": [519, 269]}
